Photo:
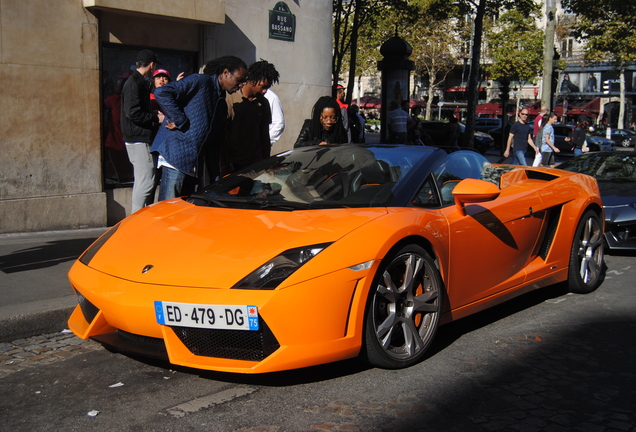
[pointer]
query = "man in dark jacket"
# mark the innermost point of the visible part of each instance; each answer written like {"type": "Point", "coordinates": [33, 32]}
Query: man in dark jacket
{"type": "Point", "coordinates": [137, 120]}
{"type": "Point", "coordinates": [249, 116]}
{"type": "Point", "coordinates": [195, 110]}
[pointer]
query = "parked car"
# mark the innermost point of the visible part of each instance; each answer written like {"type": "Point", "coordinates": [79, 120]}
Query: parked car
{"type": "Point", "coordinates": [595, 143]}
{"type": "Point", "coordinates": [616, 176]}
{"type": "Point", "coordinates": [497, 133]}
{"type": "Point", "coordinates": [326, 253]}
{"type": "Point", "coordinates": [622, 137]}
{"type": "Point", "coordinates": [487, 124]}
{"type": "Point", "coordinates": [437, 131]}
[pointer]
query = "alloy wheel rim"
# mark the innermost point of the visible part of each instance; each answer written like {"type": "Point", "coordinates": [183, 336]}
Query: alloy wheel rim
{"type": "Point", "coordinates": [406, 307]}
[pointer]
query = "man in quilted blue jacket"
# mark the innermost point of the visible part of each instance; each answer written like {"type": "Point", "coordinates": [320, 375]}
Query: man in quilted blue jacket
{"type": "Point", "coordinates": [195, 111]}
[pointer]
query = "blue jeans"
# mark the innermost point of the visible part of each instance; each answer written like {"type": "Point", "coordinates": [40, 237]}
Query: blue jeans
{"type": "Point", "coordinates": [174, 184]}
{"type": "Point", "coordinates": [520, 156]}
{"type": "Point", "coordinates": [578, 151]}
{"type": "Point", "coordinates": [171, 183]}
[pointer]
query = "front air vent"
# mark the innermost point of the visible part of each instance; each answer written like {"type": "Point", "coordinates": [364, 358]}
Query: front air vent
{"type": "Point", "coordinates": [539, 175]}
{"type": "Point", "coordinates": [229, 344]}
{"type": "Point", "coordinates": [89, 310]}
{"type": "Point", "coordinates": [133, 344]}
{"type": "Point", "coordinates": [554, 215]}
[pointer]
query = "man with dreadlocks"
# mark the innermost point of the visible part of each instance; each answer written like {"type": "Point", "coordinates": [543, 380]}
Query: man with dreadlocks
{"type": "Point", "coordinates": [195, 110]}
{"type": "Point", "coordinates": [325, 125]}
{"type": "Point", "coordinates": [249, 115]}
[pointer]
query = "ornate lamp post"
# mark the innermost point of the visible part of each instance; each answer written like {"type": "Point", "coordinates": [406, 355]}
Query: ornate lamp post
{"type": "Point", "coordinates": [396, 68]}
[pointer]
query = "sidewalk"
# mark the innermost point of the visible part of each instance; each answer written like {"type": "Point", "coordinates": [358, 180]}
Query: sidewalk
{"type": "Point", "coordinates": [36, 297]}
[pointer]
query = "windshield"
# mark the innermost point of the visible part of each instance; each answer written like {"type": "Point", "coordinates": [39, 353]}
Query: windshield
{"type": "Point", "coordinates": [317, 177]}
{"type": "Point", "coordinates": [618, 166]}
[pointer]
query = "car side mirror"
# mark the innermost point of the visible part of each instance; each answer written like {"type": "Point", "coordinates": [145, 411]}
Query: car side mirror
{"type": "Point", "coordinates": [471, 191]}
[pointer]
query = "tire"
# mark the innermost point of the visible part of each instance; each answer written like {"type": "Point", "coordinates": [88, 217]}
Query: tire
{"type": "Point", "coordinates": [586, 258]}
{"type": "Point", "coordinates": [403, 309]}
{"type": "Point", "coordinates": [626, 142]}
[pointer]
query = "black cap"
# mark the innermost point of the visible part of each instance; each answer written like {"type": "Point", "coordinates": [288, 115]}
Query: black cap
{"type": "Point", "coordinates": [146, 56]}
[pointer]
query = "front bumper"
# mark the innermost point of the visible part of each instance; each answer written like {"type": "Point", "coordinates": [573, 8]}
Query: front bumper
{"type": "Point", "coordinates": [620, 236]}
{"type": "Point", "coordinates": [314, 322]}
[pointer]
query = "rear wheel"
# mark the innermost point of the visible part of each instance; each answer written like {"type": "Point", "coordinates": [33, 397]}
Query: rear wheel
{"type": "Point", "coordinates": [586, 256]}
{"type": "Point", "coordinates": [626, 142]}
{"type": "Point", "coordinates": [403, 309]}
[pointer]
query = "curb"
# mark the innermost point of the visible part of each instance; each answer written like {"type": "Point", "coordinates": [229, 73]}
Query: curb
{"type": "Point", "coordinates": [35, 324]}
{"type": "Point", "coordinates": [19, 321]}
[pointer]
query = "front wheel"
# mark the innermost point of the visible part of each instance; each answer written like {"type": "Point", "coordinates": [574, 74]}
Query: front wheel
{"type": "Point", "coordinates": [403, 309]}
{"type": "Point", "coordinates": [586, 256]}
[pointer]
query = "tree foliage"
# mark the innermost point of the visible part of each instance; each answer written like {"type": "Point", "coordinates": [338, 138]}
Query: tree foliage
{"type": "Point", "coordinates": [608, 27]}
{"type": "Point", "coordinates": [349, 16]}
{"type": "Point", "coordinates": [515, 47]}
{"type": "Point", "coordinates": [435, 45]}
{"type": "Point", "coordinates": [477, 10]}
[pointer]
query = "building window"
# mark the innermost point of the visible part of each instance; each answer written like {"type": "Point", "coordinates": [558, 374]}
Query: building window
{"type": "Point", "coordinates": [567, 46]}
{"type": "Point", "coordinates": [118, 63]}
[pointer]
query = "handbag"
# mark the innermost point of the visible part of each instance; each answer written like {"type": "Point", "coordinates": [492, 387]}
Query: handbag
{"type": "Point", "coordinates": [585, 148]}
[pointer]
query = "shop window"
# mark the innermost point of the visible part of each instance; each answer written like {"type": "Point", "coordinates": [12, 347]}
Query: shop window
{"type": "Point", "coordinates": [118, 63]}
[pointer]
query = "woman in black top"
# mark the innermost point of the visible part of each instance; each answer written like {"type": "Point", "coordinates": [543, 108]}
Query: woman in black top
{"type": "Point", "coordinates": [325, 126]}
{"type": "Point", "coordinates": [578, 137]}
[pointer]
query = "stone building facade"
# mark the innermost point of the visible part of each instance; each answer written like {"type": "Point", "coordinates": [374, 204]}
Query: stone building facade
{"type": "Point", "coordinates": [60, 60]}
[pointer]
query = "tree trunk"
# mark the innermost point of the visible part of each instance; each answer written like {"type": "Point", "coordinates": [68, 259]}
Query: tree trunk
{"type": "Point", "coordinates": [429, 101]}
{"type": "Point", "coordinates": [473, 77]}
{"type": "Point", "coordinates": [354, 50]}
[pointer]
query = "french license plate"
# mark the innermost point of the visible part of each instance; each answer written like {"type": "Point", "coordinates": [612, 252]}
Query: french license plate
{"type": "Point", "coordinates": [226, 317]}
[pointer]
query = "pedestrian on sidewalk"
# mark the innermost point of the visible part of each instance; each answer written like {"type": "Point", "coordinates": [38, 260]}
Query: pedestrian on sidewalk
{"type": "Point", "coordinates": [548, 148]}
{"type": "Point", "coordinates": [137, 121]}
{"type": "Point", "coordinates": [249, 116]}
{"type": "Point", "coordinates": [325, 125]}
{"type": "Point", "coordinates": [519, 138]}
{"type": "Point", "coordinates": [196, 111]}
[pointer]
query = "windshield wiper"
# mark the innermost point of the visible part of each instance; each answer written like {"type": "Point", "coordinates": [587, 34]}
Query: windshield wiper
{"type": "Point", "coordinates": [282, 205]}
{"type": "Point", "coordinates": [208, 200]}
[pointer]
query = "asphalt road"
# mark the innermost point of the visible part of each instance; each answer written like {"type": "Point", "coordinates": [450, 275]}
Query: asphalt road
{"type": "Point", "coordinates": [547, 361]}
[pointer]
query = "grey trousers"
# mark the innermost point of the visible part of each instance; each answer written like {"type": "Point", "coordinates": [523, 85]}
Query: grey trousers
{"type": "Point", "coordinates": [144, 168]}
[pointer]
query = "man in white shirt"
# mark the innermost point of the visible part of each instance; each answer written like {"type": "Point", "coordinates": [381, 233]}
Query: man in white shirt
{"type": "Point", "coordinates": [277, 126]}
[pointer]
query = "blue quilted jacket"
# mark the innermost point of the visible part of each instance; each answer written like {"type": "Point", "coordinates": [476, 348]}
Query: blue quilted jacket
{"type": "Point", "coordinates": [196, 104]}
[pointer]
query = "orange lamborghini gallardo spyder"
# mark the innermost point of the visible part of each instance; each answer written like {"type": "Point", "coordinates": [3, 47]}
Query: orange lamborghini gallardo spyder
{"type": "Point", "coordinates": [326, 253]}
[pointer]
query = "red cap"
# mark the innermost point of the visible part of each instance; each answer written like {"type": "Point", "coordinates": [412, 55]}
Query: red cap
{"type": "Point", "coordinates": [161, 72]}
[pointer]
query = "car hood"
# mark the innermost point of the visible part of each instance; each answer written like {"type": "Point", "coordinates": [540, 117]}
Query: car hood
{"type": "Point", "coordinates": [188, 245]}
{"type": "Point", "coordinates": [618, 200]}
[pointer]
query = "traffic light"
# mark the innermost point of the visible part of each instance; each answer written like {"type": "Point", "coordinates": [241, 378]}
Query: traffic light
{"type": "Point", "coordinates": [607, 86]}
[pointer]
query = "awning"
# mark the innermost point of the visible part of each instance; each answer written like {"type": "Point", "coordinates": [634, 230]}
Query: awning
{"type": "Point", "coordinates": [462, 89]}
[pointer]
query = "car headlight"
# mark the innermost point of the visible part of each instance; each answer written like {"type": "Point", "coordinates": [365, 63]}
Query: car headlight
{"type": "Point", "coordinates": [89, 253]}
{"type": "Point", "coordinates": [275, 271]}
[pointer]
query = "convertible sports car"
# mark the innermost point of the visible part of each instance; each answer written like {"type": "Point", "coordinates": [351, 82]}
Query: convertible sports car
{"type": "Point", "coordinates": [616, 176]}
{"type": "Point", "coordinates": [326, 253]}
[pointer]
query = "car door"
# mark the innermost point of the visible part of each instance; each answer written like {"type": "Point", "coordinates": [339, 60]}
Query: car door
{"type": "Point", "coordinates": [492, 242]}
